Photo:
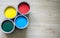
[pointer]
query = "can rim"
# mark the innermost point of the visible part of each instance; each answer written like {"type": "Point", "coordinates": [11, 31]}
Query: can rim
{"type": "Point", "coordinates": [25, 25]}
{"type": "Point", "coordinates": [28, 5]}
{"type": "Point", "coordinates": [8, 7]}
{"type": "Point", "coordinates": [11, 30]}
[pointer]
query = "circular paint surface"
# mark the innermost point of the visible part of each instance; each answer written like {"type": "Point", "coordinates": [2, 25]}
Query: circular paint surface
{"type": "Point", "coordinates": [21, 22]}
{"type": "Point", "coordinates": [23, 8]}
{"type": "Point", "coordinates": [7, 26]}
{"type": "Point", "coordinates": [10, 12]}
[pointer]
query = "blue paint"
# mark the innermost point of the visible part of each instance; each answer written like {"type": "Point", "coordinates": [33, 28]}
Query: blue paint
{"type": "Point", "coordinates": [21, 22]}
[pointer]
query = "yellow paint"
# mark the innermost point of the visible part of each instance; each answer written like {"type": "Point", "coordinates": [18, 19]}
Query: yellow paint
{"type": "Point", "coordinates": [10, 12]}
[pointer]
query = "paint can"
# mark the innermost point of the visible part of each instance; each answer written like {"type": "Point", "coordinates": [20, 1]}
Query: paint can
{"type": "Point", "coordinates": [21, 21]}
{"type": "Point", "coordinates": [24, 8]}
{"type": "Point", "coordinates": [10, 12]}
{"type": "Point", "coordinates": [7, 26]}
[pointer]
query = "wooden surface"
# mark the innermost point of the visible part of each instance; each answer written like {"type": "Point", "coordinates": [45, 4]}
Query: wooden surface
{"type": "Point", "coordinates": [44, 19]}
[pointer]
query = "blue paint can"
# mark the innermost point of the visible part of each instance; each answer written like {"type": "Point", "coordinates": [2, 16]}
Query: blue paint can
{"type": "Point", "coordinates": [21, 21]}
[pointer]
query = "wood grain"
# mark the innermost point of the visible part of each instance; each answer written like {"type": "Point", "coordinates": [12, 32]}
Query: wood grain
{"type": "Point", "coordinates": [44, 19]}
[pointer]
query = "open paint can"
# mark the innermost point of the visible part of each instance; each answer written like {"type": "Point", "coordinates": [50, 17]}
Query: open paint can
{"type": "Point", "coordinates": [10, 12]}
{"type": "Point", "coordinates": [7, 26]}
{"type": "Point", "coordinates": [24, 8]}
{"type": "Point", "coordinates": [21, 21]}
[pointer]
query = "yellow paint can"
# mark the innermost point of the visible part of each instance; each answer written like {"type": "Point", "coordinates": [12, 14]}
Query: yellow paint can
{"type": "Point", "coordinates": [10, 12]}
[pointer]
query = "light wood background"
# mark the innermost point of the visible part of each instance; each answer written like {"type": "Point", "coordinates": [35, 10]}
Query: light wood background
{"type": "Point", "coordinates": [44, 19]}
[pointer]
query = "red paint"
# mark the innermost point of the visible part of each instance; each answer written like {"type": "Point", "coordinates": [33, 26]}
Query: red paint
{"type": "Point", "coordinates": [23, 8]}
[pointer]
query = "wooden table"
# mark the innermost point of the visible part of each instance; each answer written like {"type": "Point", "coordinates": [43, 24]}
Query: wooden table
{"type": "Point", "coordinates": [44, 19]}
